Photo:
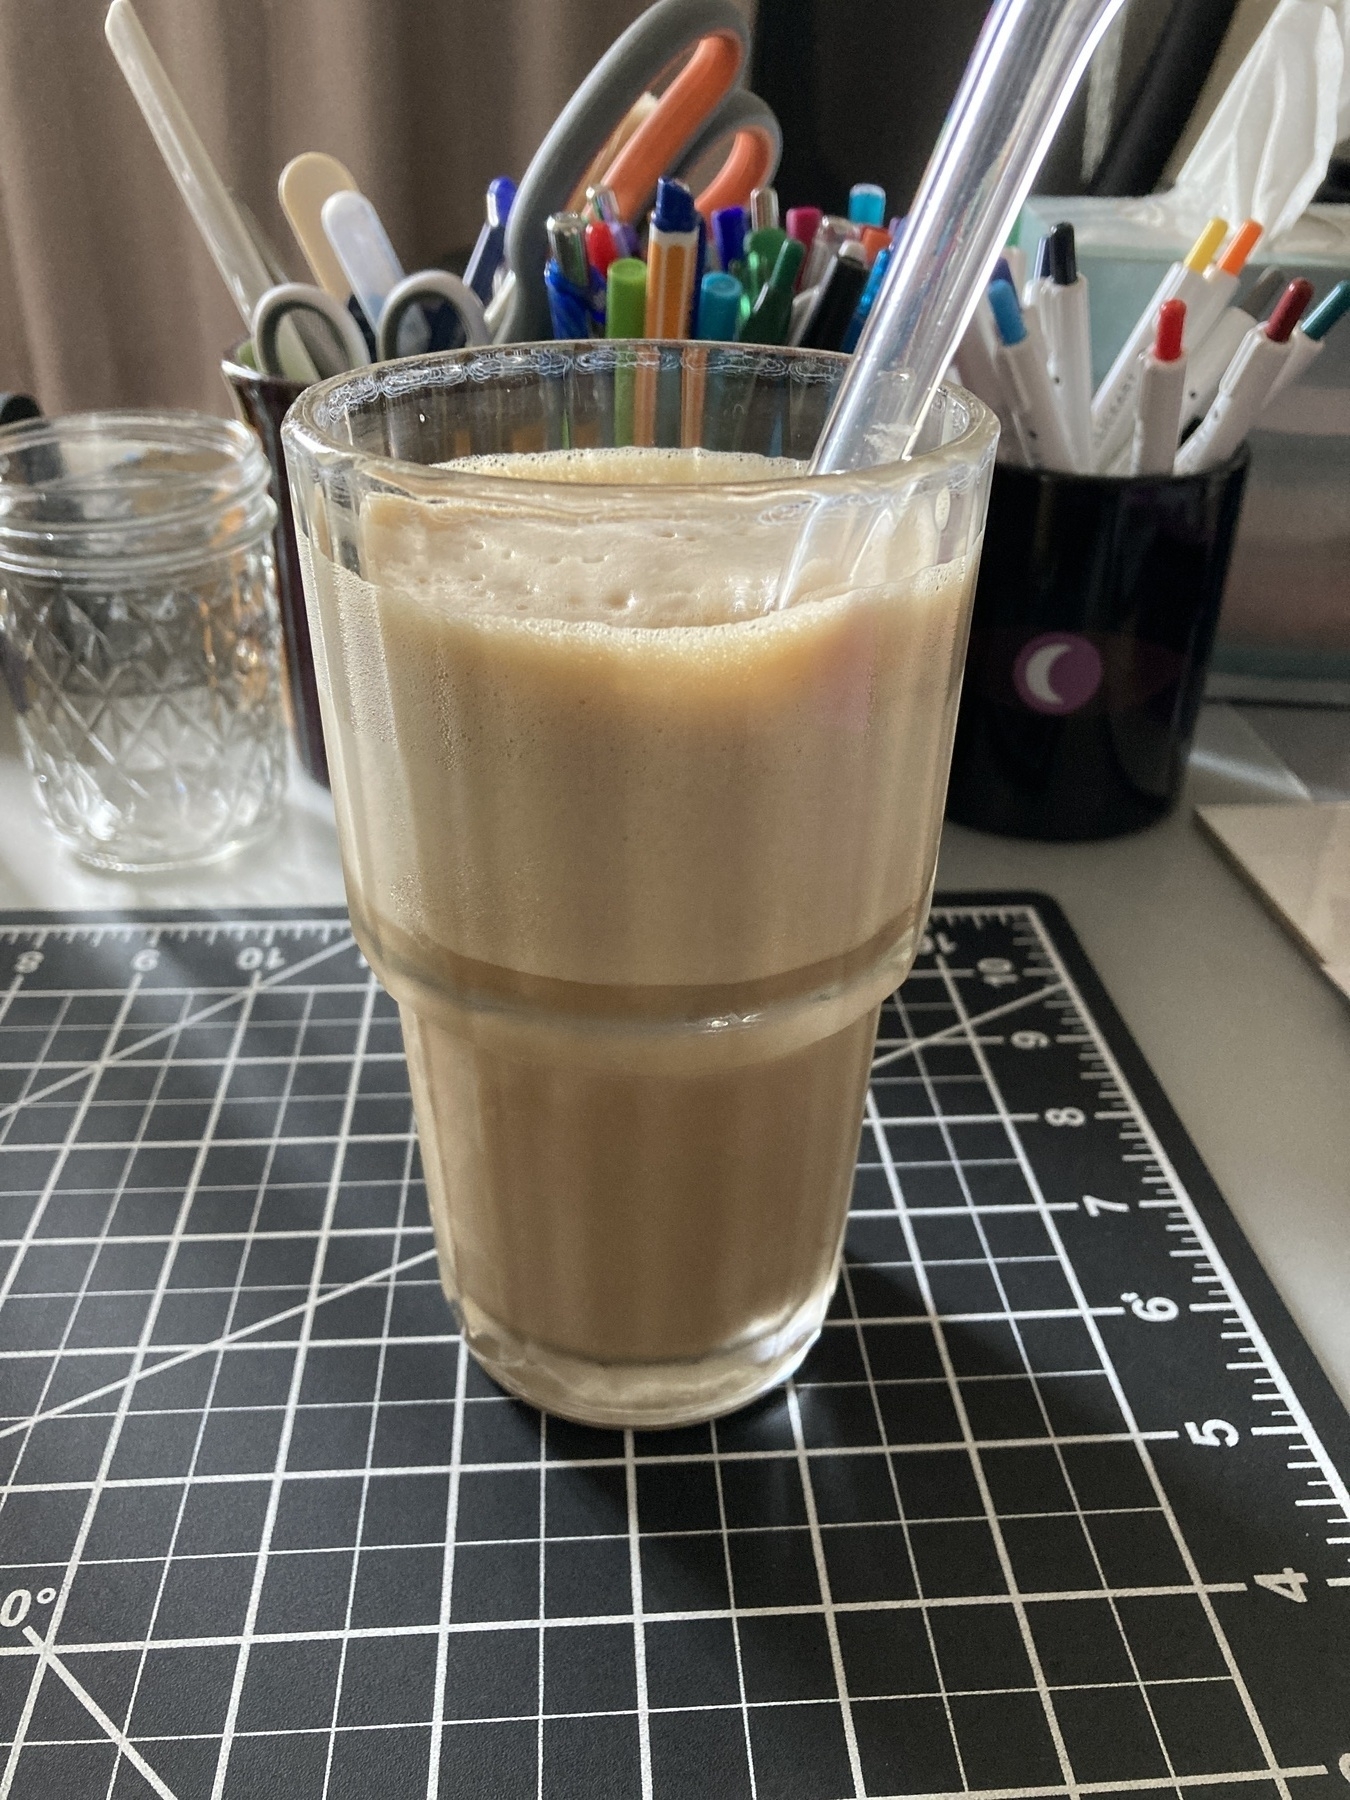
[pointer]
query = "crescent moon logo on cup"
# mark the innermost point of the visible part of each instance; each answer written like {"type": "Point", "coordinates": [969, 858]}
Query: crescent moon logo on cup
{"type": "Point", "coordinates": [1057, 672]}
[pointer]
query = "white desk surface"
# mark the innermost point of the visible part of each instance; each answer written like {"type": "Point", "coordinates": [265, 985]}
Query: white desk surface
{"type": "Point", "coordinates": [1250, 1042]}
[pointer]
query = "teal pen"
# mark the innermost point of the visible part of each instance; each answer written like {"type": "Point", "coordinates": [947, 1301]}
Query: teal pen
{"type": "Point", "coordinates": [719, 308]}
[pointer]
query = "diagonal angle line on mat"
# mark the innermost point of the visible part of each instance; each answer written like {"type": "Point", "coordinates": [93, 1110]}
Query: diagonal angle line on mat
{"type": "Point", "coordinates": [219, 1343]}
{"type": "Point", "coordinates": [52, 1661]}
{"type": "Point", "coordinates": [164, 1031]}
{"type": "Point", "coordinates": [936, 1037]}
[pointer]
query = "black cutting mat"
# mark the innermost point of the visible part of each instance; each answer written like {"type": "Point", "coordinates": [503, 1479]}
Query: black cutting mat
{"type": "Point", "coordinates": [1053, 1508]}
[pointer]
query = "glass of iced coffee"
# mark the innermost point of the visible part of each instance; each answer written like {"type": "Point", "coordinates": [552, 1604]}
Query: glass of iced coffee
{"type": "Point", "coordinates": [639, 740]}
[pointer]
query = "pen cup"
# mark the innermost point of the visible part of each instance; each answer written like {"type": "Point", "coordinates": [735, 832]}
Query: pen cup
{"type": "Point", "coordinates": [1094, 617]}
{"type": "Point", "coordinates": [263, 401]}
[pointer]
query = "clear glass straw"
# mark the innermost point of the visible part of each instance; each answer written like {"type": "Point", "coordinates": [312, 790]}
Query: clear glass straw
{"type": "Point", "coordinates": [1015, 91]}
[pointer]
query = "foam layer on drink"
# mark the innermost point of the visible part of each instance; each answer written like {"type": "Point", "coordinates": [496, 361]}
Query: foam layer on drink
{"type": "Point", "coordinates": [594, 749]}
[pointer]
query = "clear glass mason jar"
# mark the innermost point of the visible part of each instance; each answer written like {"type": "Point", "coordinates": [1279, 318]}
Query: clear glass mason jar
{"type": "Point", "coordinates": [139, 633]}
{"type": "Point", "coordinates": [638, 752]}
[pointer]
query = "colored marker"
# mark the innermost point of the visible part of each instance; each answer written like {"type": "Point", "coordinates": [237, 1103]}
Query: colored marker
{"type": "Point", "coordinates": [866, 203]}
{"type": "Point", "coordinates": [761, 255]}
{"type": "Point", "coordinates": [1159, 394]}
{"type": "Point", "coordinates": [836, 298]}
{"type": "Point", "coordinates": [625, 312]}
{"type": "Point", "coordinates": [1246, 385]}
{"type": "Point", "coordinates": [874, 239]}
{"type": "Point", "coordinates": [1305, 346]}
{"type": "Point", "coordinates": [719, 307]}
{"type": "Point", "coordinates": [601, 250]}
{"type": "Point", "coordinates": [975, 361]}
{"type": "Point", "coordinates": [1113, 403]}
{"type": "Point", "coordinates": [625, 297]}
{"type": "Point", "coordinates": [803, 222]}
{"type": "Point", "coordinates": [771, 313]}
{"type": "Point", "coordinates": [672, 253]}
{"type": "Point", "coordinates": [1020, 360]}
{"type": "Point", "coordinates": [728, 234]}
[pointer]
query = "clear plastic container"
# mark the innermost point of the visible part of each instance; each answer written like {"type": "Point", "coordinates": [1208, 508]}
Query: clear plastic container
{"type": "Point", "coordinates": [638, 834]}
{"type": "Point", "coordinates": [140, 635]}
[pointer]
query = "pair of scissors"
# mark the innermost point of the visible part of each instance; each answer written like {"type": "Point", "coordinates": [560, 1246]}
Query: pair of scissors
{"type": "Point", "coordinates": [449, 309]}
{"type": "Point", "coordinates": [699, 110]}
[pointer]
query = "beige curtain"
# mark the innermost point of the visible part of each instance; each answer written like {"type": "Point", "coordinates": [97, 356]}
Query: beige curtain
{"type": "Point", "coordinates": [107, 296]}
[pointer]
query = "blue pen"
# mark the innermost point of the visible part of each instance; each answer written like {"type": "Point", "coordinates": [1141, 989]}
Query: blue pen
{"type": "Point", "coordinates": [876, 275]}
{"type": "Point", "coordinates": [700, 265]}
{"type": "Point", "coordinates": [490, 250]}
{"type": "Point", "coordinates": [567, 278]}
{"type": "Point", "coordinates": [866, 203]}
{"type": "Point", "coordinates": [719, 307]}
{"type": "Point", "coordinates": [728, 234]}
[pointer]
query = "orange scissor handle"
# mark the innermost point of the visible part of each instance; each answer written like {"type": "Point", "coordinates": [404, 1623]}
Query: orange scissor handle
{"type": "Point", "coordinates": [696, 92]}
{"type": "Point", "coordinates": [751, 163]}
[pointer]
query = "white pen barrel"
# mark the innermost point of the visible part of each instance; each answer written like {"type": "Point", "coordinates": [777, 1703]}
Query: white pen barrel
{"type": "Point", "coordinates": [1158, 416]}
{"type": "Point", "coordinates": [1022, 365]}
{"type": "Point", "coordinates": [1205, 365]}
{"type": "Point", "coordinates": [1242, 393]}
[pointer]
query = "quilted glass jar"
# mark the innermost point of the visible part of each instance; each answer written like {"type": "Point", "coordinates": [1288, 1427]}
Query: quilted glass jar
{"type": "Point", "coordinates": [139, 633]}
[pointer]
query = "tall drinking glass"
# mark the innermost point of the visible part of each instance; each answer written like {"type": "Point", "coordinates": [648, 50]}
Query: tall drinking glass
{"type": "Point", "coordinates": [638, 836]}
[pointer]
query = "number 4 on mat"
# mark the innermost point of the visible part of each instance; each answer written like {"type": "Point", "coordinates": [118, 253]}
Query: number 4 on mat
{"type": "Point", "coordinates": [1289, 1583]}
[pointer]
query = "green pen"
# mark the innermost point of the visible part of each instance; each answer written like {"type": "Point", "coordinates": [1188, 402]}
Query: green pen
{"type": "Point", "coordinates": [771, 315]}
{"type": "Point", "coordinates": [761, 253]}
{"type": "Point", "coordinates": [625, 317]}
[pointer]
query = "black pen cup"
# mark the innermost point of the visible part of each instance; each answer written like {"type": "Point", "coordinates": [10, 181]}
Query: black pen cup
{"type": "Point", "coordinates": [263, 401]}
{"type": "Point", "coordinates": [1095, 611]}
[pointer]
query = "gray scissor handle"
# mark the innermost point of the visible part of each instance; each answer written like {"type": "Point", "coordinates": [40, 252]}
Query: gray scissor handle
{"type": "Point", "coordinates": [429, 284]}
{"type": "Point", "coordinates": [622, 75]}
{"type": "Point", "coordinates": [302, 297]}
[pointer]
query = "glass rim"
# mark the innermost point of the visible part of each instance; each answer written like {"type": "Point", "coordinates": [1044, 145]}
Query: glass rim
{"type": "Point", "coordinates": [240, 481]}
{"type": "Point", "coordinates": [241, 477]}
{"type": "Point", "coordinates": [302, 428]}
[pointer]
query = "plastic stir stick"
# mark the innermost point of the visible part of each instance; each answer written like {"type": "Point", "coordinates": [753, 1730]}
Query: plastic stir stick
{"type": "Point", "coordinates": [1015, 91]}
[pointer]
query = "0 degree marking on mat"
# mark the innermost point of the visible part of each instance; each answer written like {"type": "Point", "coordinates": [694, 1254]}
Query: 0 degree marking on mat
{"type": "Point", "coordinates": [1055, 1507]}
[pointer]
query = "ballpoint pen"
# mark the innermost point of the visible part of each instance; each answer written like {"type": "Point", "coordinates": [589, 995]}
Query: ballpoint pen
{"type": "Point", "coordinates": [489, 251]}
{"type": "Point", "coordinates": [1020, 360]}
{"type": "Point", "coordinates": [567, 277]}
{"type": "Point", "coordinates": [1246, 385]}
{"type": "Point", "coordinates": [1205, 365]}
{"type": "Point", "coordinates": [1158, 395]}
{"type": "Point", "coordinates": [1307, 342]}
{"type": "Point", "coordinates": [1061, 301]}
{"type": "Point", "coordinates": [1113, 403]}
